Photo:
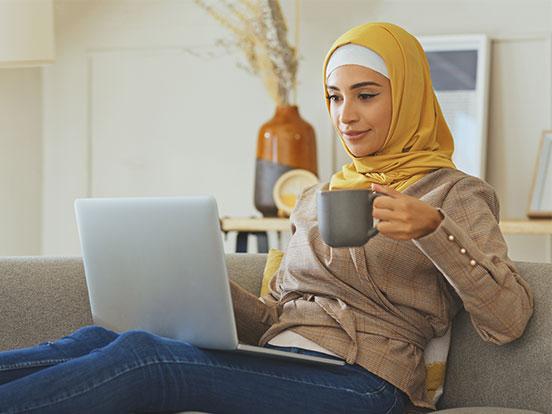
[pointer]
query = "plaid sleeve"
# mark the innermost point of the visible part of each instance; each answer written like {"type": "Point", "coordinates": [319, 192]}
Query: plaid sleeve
{"type": "Point", "coordinates": [469, 250]}
{"type": "Point", "coordinates": [253, 315]}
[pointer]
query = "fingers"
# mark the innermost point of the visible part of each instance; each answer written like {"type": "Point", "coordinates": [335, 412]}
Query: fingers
{"type": "Point", "coordinates": [392, 230]}
{"type": "Point", "coordinates": [383, 214]}
{"type": "Point", "coordinates": [383, 189]}
{"type": "Point", "coordinates": [385, 202]}
{"type": "Point", "coordinates": [388, 200]}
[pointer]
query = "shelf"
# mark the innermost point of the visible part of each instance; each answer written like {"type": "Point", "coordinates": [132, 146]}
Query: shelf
{"type": "Point", "coordinates": [251, 224]}
{"type": "Point", "coordinates": [245, 224]}
{"type": "Point", "coordinates": [535, 226]}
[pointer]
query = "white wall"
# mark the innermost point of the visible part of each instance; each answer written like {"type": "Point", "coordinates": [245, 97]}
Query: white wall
{"type": "Point", "coordinates": [130, 110]}
{"type": "Point", "coordinates": [20, 162]}
{"type": "Point", "coordinates": [134, 112]}
{"type": "Point", "coordinates": [520, 90]}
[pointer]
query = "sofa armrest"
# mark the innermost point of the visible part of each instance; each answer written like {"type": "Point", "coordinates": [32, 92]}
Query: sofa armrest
{"type": "Point", "coordinates": [515, 375]}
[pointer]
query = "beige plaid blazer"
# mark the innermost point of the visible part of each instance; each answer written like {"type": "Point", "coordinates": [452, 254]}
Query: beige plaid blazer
{"type": "Point", "coordinates": [378, 305]}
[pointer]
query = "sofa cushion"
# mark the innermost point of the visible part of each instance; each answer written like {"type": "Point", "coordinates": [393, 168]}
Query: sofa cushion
{"type": "Point", "coordinates": [41, 299]}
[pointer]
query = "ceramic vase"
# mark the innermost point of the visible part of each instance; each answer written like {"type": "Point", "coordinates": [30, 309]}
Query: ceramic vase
{"type": "Point", "coordinates": [284, 143]}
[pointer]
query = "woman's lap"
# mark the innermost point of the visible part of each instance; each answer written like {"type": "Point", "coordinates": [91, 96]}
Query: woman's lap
{"type": "Point", "coordinates": [137, 371]}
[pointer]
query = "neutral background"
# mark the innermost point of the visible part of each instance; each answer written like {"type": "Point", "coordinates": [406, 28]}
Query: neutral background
{"type": "Point", "coordinates": [136, 104]}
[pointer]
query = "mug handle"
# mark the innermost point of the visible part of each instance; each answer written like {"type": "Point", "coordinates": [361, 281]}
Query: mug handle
{"type": "Point", "coordinates": [373, 231]}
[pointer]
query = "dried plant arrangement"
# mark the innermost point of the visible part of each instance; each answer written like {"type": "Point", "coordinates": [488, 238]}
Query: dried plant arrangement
{"type": "Point", "coordinates": [259, 30]}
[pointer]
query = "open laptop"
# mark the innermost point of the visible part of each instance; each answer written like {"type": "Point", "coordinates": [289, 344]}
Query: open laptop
{"type": "Point", "coordinates": [158, 264]}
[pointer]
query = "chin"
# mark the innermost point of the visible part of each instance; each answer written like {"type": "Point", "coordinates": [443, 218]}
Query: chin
{"type": "Point", "coordinates": [360, 152]}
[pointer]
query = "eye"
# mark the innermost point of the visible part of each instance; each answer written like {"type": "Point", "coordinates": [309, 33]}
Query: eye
{"type": "Point", "coordinates": [332, 98]}
{"type": "Point", "coordinates": [367, 96]}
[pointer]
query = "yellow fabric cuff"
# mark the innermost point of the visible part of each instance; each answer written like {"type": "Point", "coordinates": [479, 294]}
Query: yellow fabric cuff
{"type": "Point", "coordinates": [272, 265]}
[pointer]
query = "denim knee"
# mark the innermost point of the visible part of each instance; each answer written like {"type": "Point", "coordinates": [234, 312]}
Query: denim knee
{"type": "Point", "coordinates": [140, 342]}
{"type": "Point", "coordinates": [93, 331]}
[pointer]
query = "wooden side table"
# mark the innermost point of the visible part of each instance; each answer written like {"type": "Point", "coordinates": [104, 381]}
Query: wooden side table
{"type": "Point", "coordinates": [259, 226]}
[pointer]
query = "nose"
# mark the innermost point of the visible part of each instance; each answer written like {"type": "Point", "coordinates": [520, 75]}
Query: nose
{"type": "Point", "coordinates": [348, 113]}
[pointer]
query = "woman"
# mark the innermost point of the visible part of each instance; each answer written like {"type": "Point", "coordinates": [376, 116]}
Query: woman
{"type": "Point", "coordinates": [375, 306]}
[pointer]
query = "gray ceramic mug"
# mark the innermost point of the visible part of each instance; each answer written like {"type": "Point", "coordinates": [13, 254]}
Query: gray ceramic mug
{"type": "Point", "coordinates": [345, 217]}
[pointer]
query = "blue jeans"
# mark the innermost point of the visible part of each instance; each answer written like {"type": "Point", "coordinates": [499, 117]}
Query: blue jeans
{"type": "Point", "coordinates": [98, 371]}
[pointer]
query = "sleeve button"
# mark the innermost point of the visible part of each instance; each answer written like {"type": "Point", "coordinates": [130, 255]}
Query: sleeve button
{"type": "Point", "coordinates": [451, 237]}
{"type": "Point", "coordinates": [473, 262]}
{"type": "Point", "coordinates": [463, 251]}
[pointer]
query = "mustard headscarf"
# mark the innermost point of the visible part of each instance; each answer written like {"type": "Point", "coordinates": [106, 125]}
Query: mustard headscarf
{"type": "Point", "coordinates": [419, 140]}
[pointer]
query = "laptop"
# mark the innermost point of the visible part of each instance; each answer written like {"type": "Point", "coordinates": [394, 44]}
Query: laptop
{"type": "Point", "coordinates": [158, 264]}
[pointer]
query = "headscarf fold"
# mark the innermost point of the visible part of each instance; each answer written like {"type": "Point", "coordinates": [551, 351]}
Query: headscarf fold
{"type": "Point", "coordinates": [419, 140]}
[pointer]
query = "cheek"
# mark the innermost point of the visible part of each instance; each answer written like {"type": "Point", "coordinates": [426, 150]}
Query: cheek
{"type": "Point", "coordinates": [383, 122]}
{"type": "Point", "coordinates": [387, 112]}
{"type": "Point", "coordinates": [334, 115]}
{"type": "Point", "coordinates": [383, 114]}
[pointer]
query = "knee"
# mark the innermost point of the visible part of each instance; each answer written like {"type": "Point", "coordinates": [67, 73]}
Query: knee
{"type": "Point", "coordinates": [138, 341]}
{"type": "Point", "coordinates": [94, 332]}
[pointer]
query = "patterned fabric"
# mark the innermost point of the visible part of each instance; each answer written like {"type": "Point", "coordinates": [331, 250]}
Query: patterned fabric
{"type": "Point", "coordinates": [435, 353]}
{"type": "Point", "coordinates": [379, 305]}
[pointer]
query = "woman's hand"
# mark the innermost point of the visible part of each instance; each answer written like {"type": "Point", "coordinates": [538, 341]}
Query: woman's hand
{"type": "Point", "coordinates": [402, 217]}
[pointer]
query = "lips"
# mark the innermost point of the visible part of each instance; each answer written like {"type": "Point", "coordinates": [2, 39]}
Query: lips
{"type": "Point", "coordinates": [354, 134]}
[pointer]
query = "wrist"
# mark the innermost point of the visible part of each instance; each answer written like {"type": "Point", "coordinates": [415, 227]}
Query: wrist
{"type": "Point", "coordinates": [434, 222]}
{"type": "Point", "coordinates": [439, 217]}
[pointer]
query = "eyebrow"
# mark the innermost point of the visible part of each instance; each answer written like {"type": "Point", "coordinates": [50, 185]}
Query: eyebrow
{"type": "Point", "coordinates": [356, 85]}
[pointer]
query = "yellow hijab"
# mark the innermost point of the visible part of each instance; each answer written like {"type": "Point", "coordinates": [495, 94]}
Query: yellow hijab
{"type": "Point", "coordinates": [419, 140]}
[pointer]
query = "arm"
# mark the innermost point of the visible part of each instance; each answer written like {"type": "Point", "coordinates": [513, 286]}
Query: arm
{"type": "Point", "coordinates": [253, 316]}
{"type": "Point", "coordinates": [471, 253]}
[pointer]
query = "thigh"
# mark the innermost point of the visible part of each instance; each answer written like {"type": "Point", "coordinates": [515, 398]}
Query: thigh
{"type": "Point", "coordinates": [189, 378]}
{"type": "Point", "coordinates": [245, 383]}
{"type": "Point", "coordinates": [141, 372]}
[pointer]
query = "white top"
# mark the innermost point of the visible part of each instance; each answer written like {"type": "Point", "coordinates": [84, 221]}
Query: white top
{"type": "Point", "coordinates": [290, 338]}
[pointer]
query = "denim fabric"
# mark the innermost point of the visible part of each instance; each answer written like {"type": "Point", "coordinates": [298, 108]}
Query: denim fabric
{"type": "Point", "coordinates": [96, 371]}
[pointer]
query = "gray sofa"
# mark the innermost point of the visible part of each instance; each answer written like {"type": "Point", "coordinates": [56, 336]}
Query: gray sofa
{"type": "Point", "coordinates": [43, 298]}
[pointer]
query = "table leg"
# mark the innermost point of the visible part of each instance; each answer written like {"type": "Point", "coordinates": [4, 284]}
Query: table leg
{"type": "Point", "coordinates": [262, 242]}
{"type": "Point", "coordinates": [241, 242]}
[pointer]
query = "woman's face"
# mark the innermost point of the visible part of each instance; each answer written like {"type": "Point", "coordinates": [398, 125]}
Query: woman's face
{"type": "Point", "coordinates": [360, 107]}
